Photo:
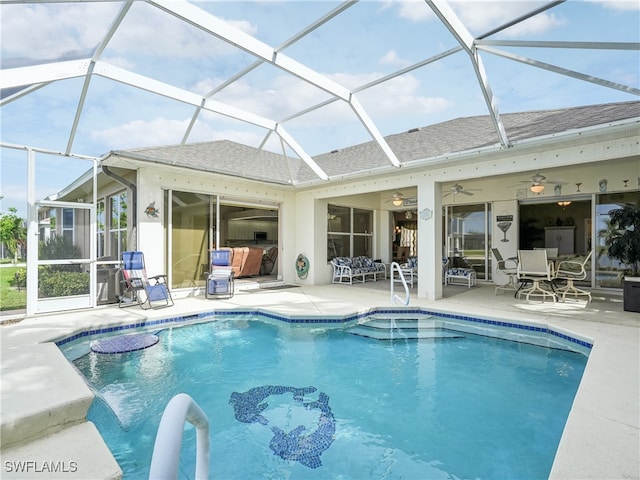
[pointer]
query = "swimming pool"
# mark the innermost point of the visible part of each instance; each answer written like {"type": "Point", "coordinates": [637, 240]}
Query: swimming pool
{"type": "Point", "coordinates": [327, 401]}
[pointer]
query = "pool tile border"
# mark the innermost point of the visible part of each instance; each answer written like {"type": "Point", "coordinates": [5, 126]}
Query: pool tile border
{"type": "Point", "coordinates": [325, 320]}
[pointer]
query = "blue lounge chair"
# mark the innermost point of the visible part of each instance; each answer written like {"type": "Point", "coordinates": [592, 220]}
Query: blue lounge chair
{"type": "Point", "coordinates": [138, 289]}
{"type": "Point", "coordinates": [220, 281]}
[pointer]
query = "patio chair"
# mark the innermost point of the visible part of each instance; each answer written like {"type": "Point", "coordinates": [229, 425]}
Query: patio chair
{"type": "Point", "coordinates": [570, 271]}
{"type": "Point", "coordinates": [534, 267]}
{"type": "Point", "coordinates": [138, 289]}
{"type": "Point", "coordinates": [508, 267]}
{"type": "Point", "coordinates": [220, 281]}
{"type": "Point", "coordinates": [445, 265]}
{"type": "Point", "coordinates": [269, 261]}
{"type": "Point", "coordinates": [552, 252]}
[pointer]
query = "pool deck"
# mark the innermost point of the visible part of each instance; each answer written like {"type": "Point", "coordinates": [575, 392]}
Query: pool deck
{"type": "Point", "coordinates": [44, 401]}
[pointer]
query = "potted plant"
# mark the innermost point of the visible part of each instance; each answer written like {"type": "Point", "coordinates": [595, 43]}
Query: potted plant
{"type": "Point", "coordinates": [624, 245]}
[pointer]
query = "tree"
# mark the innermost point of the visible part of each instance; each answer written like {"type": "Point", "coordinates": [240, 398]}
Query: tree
{"type": "Point", "coordinates": [623, 239]}
{"type": "Point", "coordinates": [13, 232]}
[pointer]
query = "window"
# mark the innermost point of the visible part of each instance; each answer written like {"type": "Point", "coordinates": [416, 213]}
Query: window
{"type": "Point", "coordinates": [100, 226]}
{"type": "Point", "coordinates": [118, 224]}
{"type": "Point", "coordinates": [67, 223]}
{"type": "Point", "coordinates": [349, 232]}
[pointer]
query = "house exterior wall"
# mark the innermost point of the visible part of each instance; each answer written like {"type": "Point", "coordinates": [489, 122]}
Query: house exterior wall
{"type": "Point", "coordinates": [500, 177]}
{"type": "Point", "coordinates": [151, 230]}
{"type": "Point", "coordinates": [154, 180]}
{"type": "Point", "coordinates": [586, 160]}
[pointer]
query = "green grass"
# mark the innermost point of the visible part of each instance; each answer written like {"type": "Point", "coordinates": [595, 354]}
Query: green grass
{"type": "Point", "coordinates": [10, 297]}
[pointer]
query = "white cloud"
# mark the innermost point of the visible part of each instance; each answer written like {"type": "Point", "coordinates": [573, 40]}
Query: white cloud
{"type": "Point", "coordinates": [163, 131]}
{"type": "Point", "coordinates": [120, 62]}
{"type": "Point", "coordinates": [274, 98]}
{"type": "Point", "coordinates": [393, 99]}
{"type": "Point", "coordinates": [623, 5]}
{"type": "Point", "coordinates": [540, 23]}
{"type": "Point", "coordinates": [140, 133]}
{"type": "Point", "coordinates": [392, 58]}
{"type": "Point", "coordinates": [400, 97]}
{"type": "Point", "coordinates": [51, 31]}
{"type": "Point", "coordinates": [147, 30]}
{"type": "Point", "coordinates": [481, 16]}
{"type": "Point", "coordinates": [204, 133]}
{"type": "Point", "coordinates": [414, 10]}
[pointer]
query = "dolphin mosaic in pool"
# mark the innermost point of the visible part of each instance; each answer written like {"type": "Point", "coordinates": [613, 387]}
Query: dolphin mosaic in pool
{"type": "Point", "coordinates": [294, 445]}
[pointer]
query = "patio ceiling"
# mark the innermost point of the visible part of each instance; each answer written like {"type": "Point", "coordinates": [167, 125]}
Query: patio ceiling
{"type": "Point", "coordinates": [244, 71]}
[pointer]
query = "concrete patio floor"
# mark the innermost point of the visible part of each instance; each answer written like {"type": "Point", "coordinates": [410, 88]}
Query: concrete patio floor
{"type": "Point", "coordinates": [44, 401]}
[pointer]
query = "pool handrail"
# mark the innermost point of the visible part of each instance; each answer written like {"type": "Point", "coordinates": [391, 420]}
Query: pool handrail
{"type": "Point", "coordinates": [394, 297]}
{"type": "Point", "coordinates": [166, 450]}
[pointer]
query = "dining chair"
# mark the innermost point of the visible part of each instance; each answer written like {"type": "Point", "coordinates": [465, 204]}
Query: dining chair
{"type": "Point", "coordinates": [552, 252]}
{"type": "Point", "coordinates": [570, 271]}
{"type": "Point", "coordinates": [508, 267]}
{"type": "Point", "coordinates": [534, 267]}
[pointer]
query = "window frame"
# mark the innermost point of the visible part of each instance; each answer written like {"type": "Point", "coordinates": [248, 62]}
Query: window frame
{"type": "Point", "coordinates": [351, 235]}
{"type": "Point", "coordinates": [117, 227]}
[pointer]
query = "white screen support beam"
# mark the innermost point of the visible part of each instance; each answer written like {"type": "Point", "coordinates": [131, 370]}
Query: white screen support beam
{"type": "Point", "coordinates": [221, 29]}
{"type": "Point", "coordinates": [447, 16]}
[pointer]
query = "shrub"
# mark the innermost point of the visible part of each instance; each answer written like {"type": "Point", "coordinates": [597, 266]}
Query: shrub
{"type": "Point", "coordinates": [20, 278]}
{"type": "Point", "coordinates": [57, 247]}
{"type": "Point", "coordinates": [62, 284]}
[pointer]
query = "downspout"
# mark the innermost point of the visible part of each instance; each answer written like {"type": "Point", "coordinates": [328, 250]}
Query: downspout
{"type": "Point", "coordinates": [134, 203]}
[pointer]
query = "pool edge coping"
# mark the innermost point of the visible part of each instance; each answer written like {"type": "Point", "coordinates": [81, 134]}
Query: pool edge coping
{"type": "Point", "coordinates": [493, 320]}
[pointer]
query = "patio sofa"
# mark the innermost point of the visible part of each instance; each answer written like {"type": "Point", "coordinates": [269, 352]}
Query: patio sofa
{"type": "Point", "coordinates": [346, 269]}
{"type": "Point", "coordinates": [460, 276]}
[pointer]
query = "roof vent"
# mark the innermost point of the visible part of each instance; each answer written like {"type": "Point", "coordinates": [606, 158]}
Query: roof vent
{"type": "Point", "coordinates": [413, 130]}
{"type": "Point", "coordinates": [335, 151]}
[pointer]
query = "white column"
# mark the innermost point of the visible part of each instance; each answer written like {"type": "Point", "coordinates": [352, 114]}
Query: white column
{"type": "Point", "coordinates": [429, 240]}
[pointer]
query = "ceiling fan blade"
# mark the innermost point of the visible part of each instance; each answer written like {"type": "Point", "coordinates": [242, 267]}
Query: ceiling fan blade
{"type": "Point", "coordinates": [465, 192]}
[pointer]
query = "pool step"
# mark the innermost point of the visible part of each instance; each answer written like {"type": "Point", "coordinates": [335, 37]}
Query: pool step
{"type": "Point", "coordinates": [401, 327]}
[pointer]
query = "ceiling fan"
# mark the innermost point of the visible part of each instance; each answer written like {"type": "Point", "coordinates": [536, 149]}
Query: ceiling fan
{"type": "Point", "coordinates": [538, 182]}
{"type": "Point", "coordinates": [456, 189]}
{"type": "Point", "coordinates": [399, 200]}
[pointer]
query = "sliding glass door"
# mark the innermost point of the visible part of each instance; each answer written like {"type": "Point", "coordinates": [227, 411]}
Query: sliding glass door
{"type": "Point", "coordinates": [200, 222]}
{"type": "Point", "coordinates": [610, 272]}
{"type": "Point", "coordinates": [467, 237]}
{"type": "Point", "coordinates": [191, 219]}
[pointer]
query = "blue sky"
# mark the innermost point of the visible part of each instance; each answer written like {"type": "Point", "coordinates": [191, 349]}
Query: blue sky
{"type": "Point", "coordinates": [367, 41]}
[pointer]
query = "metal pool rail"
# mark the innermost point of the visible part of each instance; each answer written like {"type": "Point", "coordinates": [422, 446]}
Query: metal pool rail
{"type": "Point", "coordinates": [166, 451]}
{"type": "Point", "coordinates": [395, 298]}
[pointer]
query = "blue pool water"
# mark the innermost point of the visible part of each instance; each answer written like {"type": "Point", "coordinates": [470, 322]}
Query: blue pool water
{"type": "Point", "coordinates": [318, 402]}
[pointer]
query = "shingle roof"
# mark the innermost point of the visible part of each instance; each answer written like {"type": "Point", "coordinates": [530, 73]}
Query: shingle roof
{"type": "Point", "coordinates": [450, 137]}
{"type": "Point", "coordinates": [226, 157]}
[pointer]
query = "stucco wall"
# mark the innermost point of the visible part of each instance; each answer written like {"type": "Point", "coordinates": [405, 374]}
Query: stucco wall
{"type": "Point", "coordinates": [500, 178]}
